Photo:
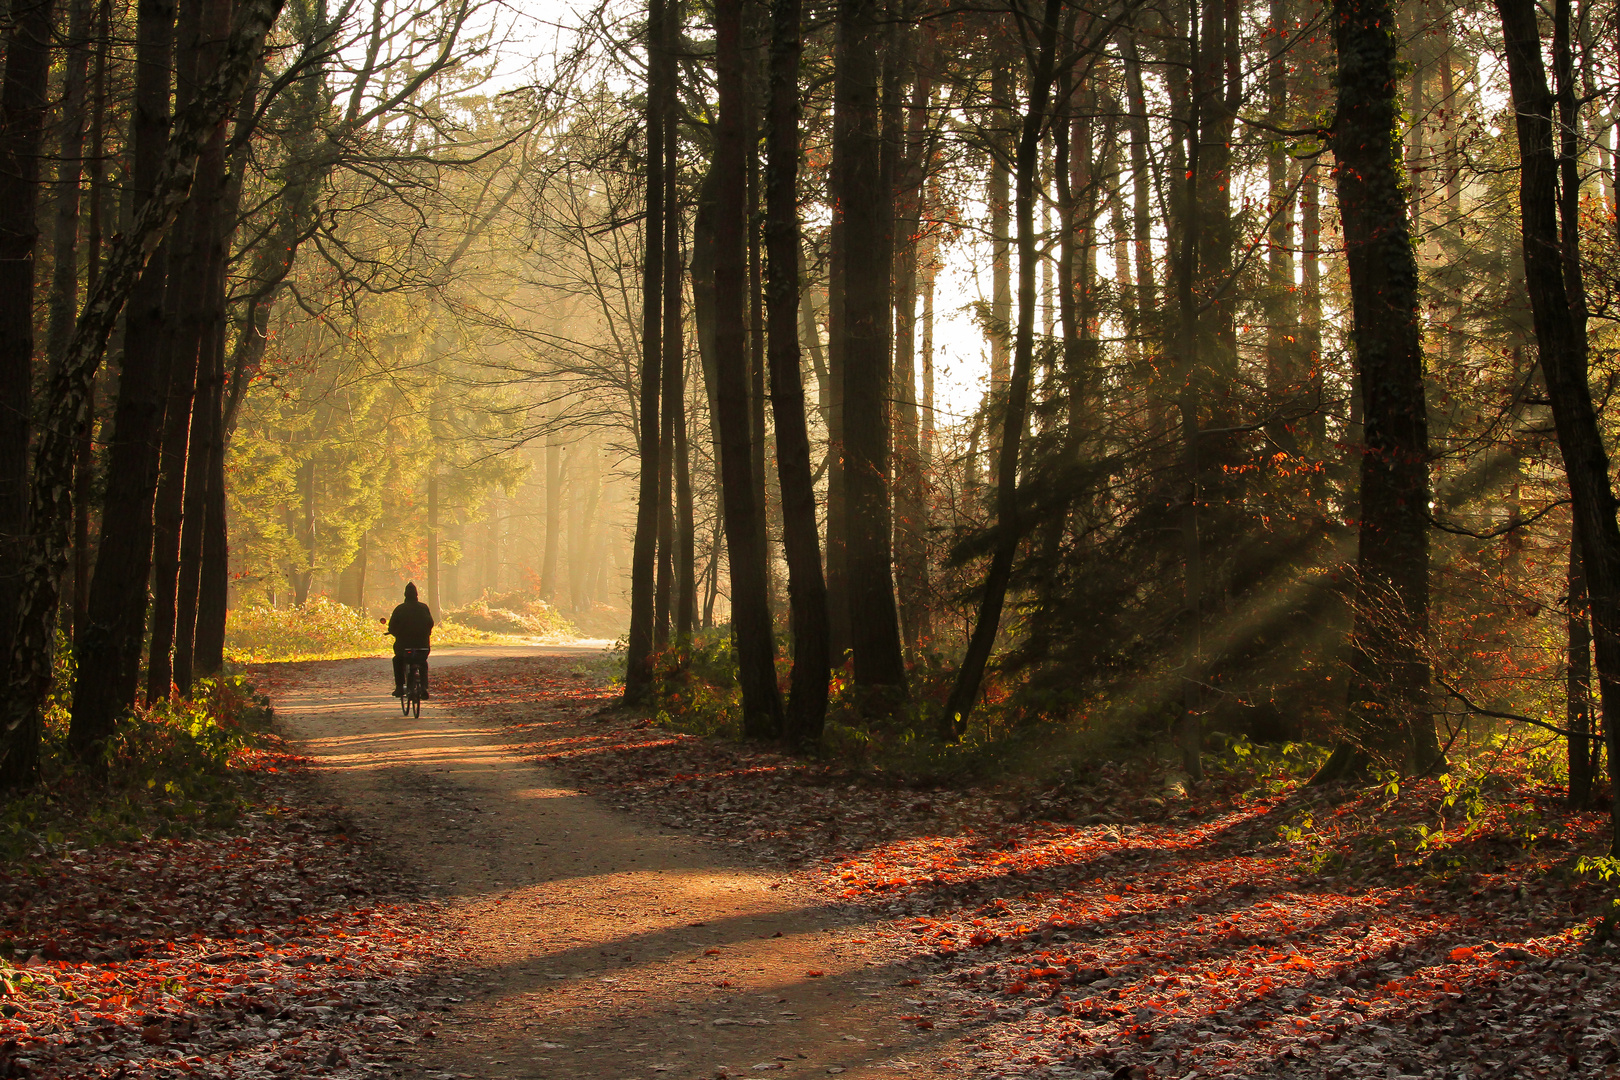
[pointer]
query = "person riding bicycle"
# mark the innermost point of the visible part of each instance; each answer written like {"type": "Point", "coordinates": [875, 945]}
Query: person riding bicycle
{"type": "Point", "coordinates": [412, 627]}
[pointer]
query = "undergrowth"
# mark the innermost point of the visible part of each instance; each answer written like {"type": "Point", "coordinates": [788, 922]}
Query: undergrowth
{"type": "Point", "coordinates": [322, 629]}
{"type": "Point", "coordinates": [171, 769]}
{"type": "Point", "coordinates": [514, 613]}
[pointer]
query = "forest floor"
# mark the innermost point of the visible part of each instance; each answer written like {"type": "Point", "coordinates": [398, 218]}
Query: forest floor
{"type": "Point", "coordinates": [529, 883]}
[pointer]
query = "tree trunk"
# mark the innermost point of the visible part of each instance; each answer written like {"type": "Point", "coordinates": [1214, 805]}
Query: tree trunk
{"type": "Point", "coordinates": [867, 218]}
{"type": "Point", "coordinates": [183, 330]}
{"type": "Point", "coordinates": [207, 420]}
{"type": "Point", "coordinates": [744, 516]}
{"type": "Point", "coordinates": [1555, 297]}
{"type": "Point", "coordinates": [64, 303]}
{"type": "Point", "coordinates": [1008, 527]}
{"type": "Point", "coordinates": [1141, 205]}
{"type": "Point", "coordinates": [643, 568]}
{"type": "Point", "coordinates": [1282, 333]}
{"type": "Point", "coordinates": [673, 580]}
{"type": "Point", "coordinates": [84, 465]}
{"type": "Point", "coordinates": [911, 524]}
{"type": "Point", "coordinates": [807, 590]}
{"type": "Point", "coordinates": [1000, 329]}
{"type": "Point", "coordinates": [116, 619]}
{"type": "Point", "coordinates": [554, 495]}
{"type": "Point", "coordinates": [22, 125]}
{"type": "Point", "coordinates": [1390, 711]}
{"type": "Point", "coordinates": [838, 614]}
{"type": "Point", "coordinates": [1310, 228]}
{"type": "Point", "coordinates": [432, 539]}
{"type": "Point", "coordinates": [1583, 748]}
{"type": "Point", "coordinates": [1187, 257]}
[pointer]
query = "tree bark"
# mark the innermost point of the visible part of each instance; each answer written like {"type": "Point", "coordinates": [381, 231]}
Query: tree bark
{"type": "Point", "coordinates": [1390, 714]}
{"type": "Point", "coordinates": [867, 220]}
{"type": "Point", "coordinates": [22, 127]}
{"type": "Point", "coordinates": [1008, 527]}
{"type": "Point", "coordinates": [432, 537]}
{"type": "Point", "coordinates": [671, 576]}
{"type": "Point", "coordinates": [554, 486]}
{"type": "Point", "coordinates": [911, 525]}
{"type": "Point", "coordinates": [182, 338]}
{"type": "Point", "coordinates": [84, 466]}
{"type": "Point", "coordinates": [838, 614]}
{"type": "Point", "coordinates": [1583, 748]}
{"type": "Point", "coordinates": [116, 619]}
{"type": "Point", "coordinates": [807, 590]}
{"type": "Point", "coordinates": [744, 516]}
{"type": "Point", "coordinates": [643, 560]}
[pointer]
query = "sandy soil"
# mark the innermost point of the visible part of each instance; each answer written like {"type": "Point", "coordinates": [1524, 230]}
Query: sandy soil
{"type": "Point", "coordinates": [594, 944]}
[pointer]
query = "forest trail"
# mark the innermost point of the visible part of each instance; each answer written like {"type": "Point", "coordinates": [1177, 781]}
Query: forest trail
{"type": "Point", "coordinates": [595, 945]}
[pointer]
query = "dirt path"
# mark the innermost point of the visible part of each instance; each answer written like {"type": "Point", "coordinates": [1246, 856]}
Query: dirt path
{"type": "Point", "coordinates": [595, 945]}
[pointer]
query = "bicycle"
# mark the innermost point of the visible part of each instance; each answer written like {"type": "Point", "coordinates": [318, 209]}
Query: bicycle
{"type": "Point", "coordinates": [410, 703]}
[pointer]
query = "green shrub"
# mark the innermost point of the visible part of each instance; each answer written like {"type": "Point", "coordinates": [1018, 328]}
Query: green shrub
{"type": "Point", "coordinates": [317, 629]}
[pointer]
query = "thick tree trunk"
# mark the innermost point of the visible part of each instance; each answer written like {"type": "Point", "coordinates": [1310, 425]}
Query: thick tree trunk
{"type": "Point", "coordinates": [22, 124]}
{"type": "Point", "coordinates": [116, 620]}
{"type": "Point", "coordinates": [1008, 527]}
{"type": "Point", "coordinates": [643, 560]}
{"type": "Point", "coordinates": [744, 516]}
{"type": "Point", "coordinates": [1390, 714]}
{"type": "Point", "coordinates": [867, 220]}
{"type": "Point", "coordinates": [207, 433]}
{"type": "Point", "coordinates": [64, 302]}
{"type": "Point", "coordinates": [84, 465]}
{"type": "Point", "coordinates": [183, 330]}
{"type": "Point", "coordinates": [807, 590]}
{"type": "Point", "coordinates": [68, 394]}
{"type": "Point", "coordinates": [1562, 343]}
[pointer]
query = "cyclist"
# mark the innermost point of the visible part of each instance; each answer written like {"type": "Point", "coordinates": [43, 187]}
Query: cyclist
{"type": "Point", "coordinates": [412, 627]}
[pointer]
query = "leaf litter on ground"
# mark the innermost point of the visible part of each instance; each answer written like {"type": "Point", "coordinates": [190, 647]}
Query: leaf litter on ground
{"type": "Point", "coordinates": [277, 946]}
{"type": "Point", "coordinates": [1118, 925]}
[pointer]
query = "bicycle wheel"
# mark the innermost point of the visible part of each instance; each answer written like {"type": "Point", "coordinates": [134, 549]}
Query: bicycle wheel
{"type": "Point", "coordinates": [410, 692]}
{"type": "Point", "coordinates": [416, 703]}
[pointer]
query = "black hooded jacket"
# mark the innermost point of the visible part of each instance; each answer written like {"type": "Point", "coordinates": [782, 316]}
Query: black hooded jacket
{"type": "Point", "coordinates": [412, 625]}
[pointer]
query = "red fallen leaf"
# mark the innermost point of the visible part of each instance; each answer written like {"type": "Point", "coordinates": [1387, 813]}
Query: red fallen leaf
{"type": "Point", "coordinates": [815, 974]}
{"type": "Point", "coordinates": [1463, 952]}
{"type": "Point", "coordinates": [711, 952]}
{"type": "Point", "coordinates": [1017, 987]}
{"type": "Point", "coordinates": [154, 1034]}
{"type": "Point", "coordinates": [925, 1025]}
